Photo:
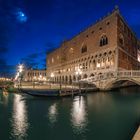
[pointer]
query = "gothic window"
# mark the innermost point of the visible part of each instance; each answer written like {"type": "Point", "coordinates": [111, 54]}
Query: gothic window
{"type": "Point", "coordinates": [57, 56]}
{"type": "Point", "coordinates": [84, 49]}
{"type": "Point", "coordinates": [103, 40]}
{"type": "Point", "coordinates": [121, 25]}
{"type": "Point", "coordinates": [85, 76]}
{"type": "Point", "coordinates": [71, 50]}
{"type": "Point", "coordinates": [52, 60]}
{"type": "Point", "coordinates": [121, 40]}
{"type": "Point", "coordinates": [92, 75]}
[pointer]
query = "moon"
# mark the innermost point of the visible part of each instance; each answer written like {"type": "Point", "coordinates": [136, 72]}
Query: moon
{"type": "Point", "coordinates": [21, 16]}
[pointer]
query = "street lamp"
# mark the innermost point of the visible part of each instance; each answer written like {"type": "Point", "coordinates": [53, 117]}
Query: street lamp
{"type": "Point", "coordinates": [78, 73]}
{"type": "Point", "coordinates": [40, 76]}
{"type": "Point", "coordinates": [40, 79]}
{"type": "Point", "coordinates": [52, 76]}
{"type": "Point", "coordinates": [60, 81]}
{"type": "Point", "coordinates": [34, 79]}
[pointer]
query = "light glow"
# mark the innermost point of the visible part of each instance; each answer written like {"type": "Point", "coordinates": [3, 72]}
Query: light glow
{"type": "Point", "coordinates": [21, 17]}
{"type": "Point", "coordinates": [53, 113]}
{"type": "Point", "coordinates": [19, 117]}
{"type": "Point", "coordinates": [52, 75]}
{"type": "Point", "coordinates": [138, 55]}
{"type": "Point", "coordinates": [78, 72]}
{"type": "Point", "coordinates": [79, 114]}
{"type": "Point", "coordinates": [98, 65]}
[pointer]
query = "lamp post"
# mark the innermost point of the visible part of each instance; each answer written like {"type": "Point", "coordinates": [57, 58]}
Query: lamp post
{"type": "Point", "coordinates": [34, 79]}
{"type": "Point", "coordinates": [40, 79]}
{"type": "Point", "coordinates": [52, 76]}
{"type": "Point", "coordinates": [78, 73]}
{"type": "Point", "coordinates": [60, 81]}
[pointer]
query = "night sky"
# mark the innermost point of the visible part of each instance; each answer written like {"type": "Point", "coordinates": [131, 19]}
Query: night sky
{"type": "Point", "coordinates": [30, 28]}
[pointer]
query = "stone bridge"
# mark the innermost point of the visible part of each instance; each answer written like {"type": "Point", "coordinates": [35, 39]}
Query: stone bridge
{"type": "Point", "coordinates": [112, 79]}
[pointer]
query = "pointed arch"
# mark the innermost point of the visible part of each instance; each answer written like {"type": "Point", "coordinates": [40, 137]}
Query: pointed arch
{"type": "Point", "coordinates": [121, 40]}
{"type": "Point", "coordinates": [103, 40]}
{"type": "Point", "coordinates": [84, 49]}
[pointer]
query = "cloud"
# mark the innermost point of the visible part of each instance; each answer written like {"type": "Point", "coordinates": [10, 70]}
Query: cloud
{"type": "Point", "coordinates": [6, 23]}
{"type": "Point", "coordinates": [4, 40]}
{"type": "Point", "coordinates": [49, 47]}
{"type": "Point", "coordinates": [29, 62]}
{"type": "Point", "coordinates": [34, 60]}
{"type": "Point", "coordinates": [34, 55]}
{"type": "Point", "coordinates": [5, 69]}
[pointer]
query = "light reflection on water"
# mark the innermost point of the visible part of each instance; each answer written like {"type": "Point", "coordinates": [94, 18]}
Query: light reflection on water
{"type": "Point", "coordinates": [4, 98]}
{"type": "Point", "coordinates": [99, 116]}
{"type": "Point", "coordinates": [79, 115]}
{"type": "Point", "coordinates": [53, 112]}
{"type": "Point", "coordinates": [19, 118]}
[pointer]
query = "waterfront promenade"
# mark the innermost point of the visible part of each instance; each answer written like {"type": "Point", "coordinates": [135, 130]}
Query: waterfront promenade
{"type": "Point", "coordinates": [45, 86]}
{"type": "Point", "coordinates": [137, 135]}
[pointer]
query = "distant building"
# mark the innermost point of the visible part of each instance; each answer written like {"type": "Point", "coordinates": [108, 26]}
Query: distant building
{"type": "Point", "coordinates": [108, 45]}
{"type": "Point", "coordinates": [35, 75]}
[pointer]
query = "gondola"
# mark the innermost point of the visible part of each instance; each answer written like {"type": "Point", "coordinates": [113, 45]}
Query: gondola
{"type": "Point", "coordinates": [49, 93]}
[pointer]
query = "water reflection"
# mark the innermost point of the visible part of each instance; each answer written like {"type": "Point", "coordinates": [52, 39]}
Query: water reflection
{"type": "Point", "coordinates": [19, 118]}
{"type": "Point", "coordinates": [53, 113]}
{"type": "Point", "coordinates": [4, 98]}
{"type": "Point", "coordinates": [79, 114]}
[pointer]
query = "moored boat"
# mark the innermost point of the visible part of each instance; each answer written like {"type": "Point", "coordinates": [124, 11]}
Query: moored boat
{"type": "Point", "coordinates": [50, 92]}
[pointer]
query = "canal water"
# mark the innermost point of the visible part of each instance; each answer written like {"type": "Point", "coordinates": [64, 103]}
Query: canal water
{"type": "Point", "coordinates": [98, 116]}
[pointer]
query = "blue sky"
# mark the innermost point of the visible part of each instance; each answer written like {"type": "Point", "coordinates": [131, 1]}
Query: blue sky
{"type": "Point", "coordinates": [46, 23]}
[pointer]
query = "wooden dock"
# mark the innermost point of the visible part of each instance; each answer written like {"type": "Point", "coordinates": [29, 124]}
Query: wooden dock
{"type": "Point", "coordinates": [137, 135]}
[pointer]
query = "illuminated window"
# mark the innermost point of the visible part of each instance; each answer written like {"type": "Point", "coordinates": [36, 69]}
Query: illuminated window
{"type": "Point", "coordinates": [71, 50]}
{"type": "Point", "coordinates": [52, 60]}
{"type": "Point", "coordinates": [98, 65]}
{"type": "Point", "coordinates": [139, 55]}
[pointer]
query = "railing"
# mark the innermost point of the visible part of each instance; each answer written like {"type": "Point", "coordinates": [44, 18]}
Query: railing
{"type": "Point", "coordinates": [132, 73]}
{"type": "Point", "coordinates": [113, 74]}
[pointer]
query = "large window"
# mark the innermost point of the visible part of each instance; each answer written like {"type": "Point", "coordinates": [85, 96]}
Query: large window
{"type": "Point", "coordinates": [84, 49]}
{"type": "Point", "coordinates": [103, 40]}
{"type": "Point", "coordinates": [71, 50]}
{"type": "Point", "coordinates": [138, 55]}
{"type": "Point", "coordinates": [121, 39]}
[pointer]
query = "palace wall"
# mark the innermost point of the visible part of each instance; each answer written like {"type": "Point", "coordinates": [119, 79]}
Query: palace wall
{"type": "Point", "coordinates": [108, 45]}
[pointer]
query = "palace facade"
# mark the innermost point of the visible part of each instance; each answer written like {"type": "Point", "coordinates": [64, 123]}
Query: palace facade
{"type": "Point", "coordinates": [34, 75]}
{"type": "Point", "coordinates": [108, 45]}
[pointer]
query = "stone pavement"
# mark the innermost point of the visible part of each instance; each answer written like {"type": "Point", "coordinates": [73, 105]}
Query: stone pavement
{"type": "Point", "coordinates": [137, 135]}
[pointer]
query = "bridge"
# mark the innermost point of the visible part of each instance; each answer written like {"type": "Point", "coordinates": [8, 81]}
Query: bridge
{"type": "Point", "coordinates": [112, 79]}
